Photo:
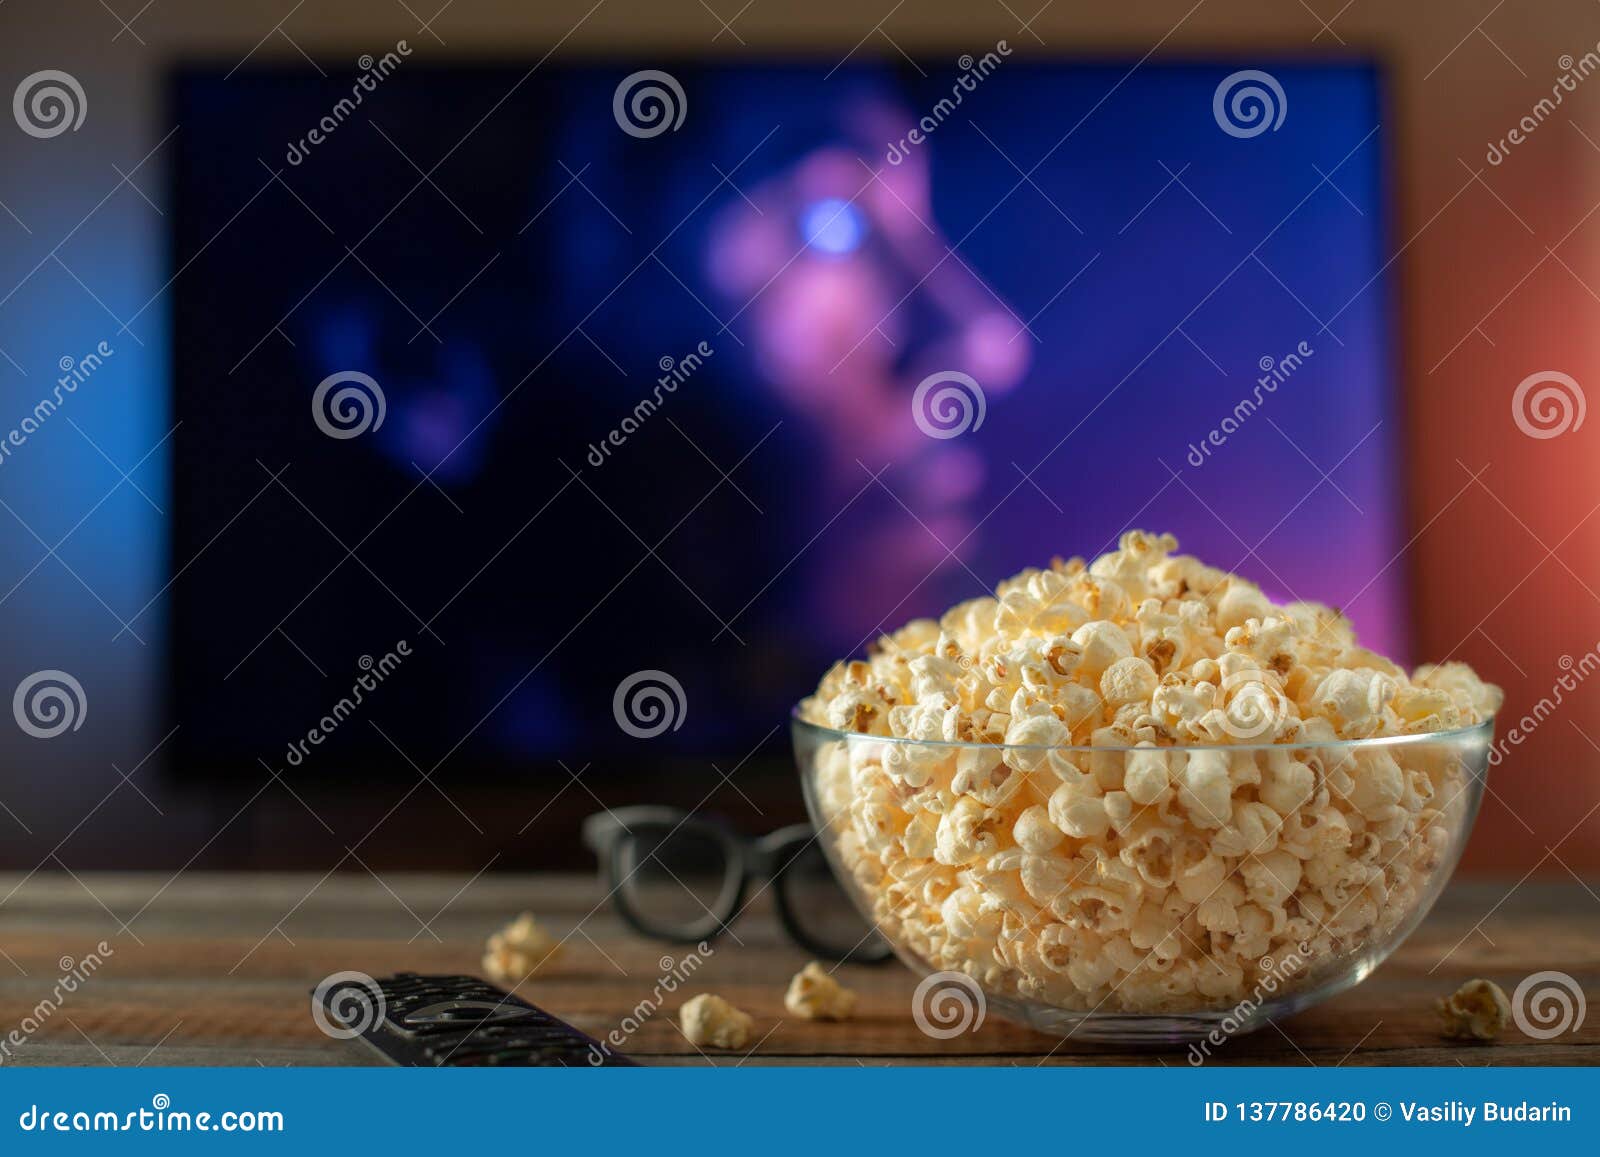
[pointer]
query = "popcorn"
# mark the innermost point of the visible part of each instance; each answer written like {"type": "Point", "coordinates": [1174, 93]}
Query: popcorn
{"type": "Point", "coordinates": [961, 837]}
{"type": "Point", "coordinates": [1145, 777]}
{"type": "Point", "coordinates": [708, 1021]}
{"type": "Point", "coordinates": [1136, 813]}
{"type": "Point", "coordinates": [519, 950]}
{"type": "Point", "coordinates": [1354, 700]}
{"type": "Point", "coordinates": [1102, 644]}
{"type": "Point", "coordinates": [1205, 790]}
{"type": "Point", "coordinates": [1128, 680]}
{"type": "Point", "coordinates": [1478, 1010]}
{"type": "Point", "coordinates": [816, 995]}
{"type": "Point", "coordinates": [1079, 811]}
{"type": "Point", "coordinates": [1034, 832]}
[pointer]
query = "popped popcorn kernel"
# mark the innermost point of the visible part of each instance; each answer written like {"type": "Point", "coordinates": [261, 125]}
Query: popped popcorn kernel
{"type": "Point", "coordinates": [708, 1021]}
{"type": "Point", "coordinates": [1478, 1010]}
{"type": "Point", "coordinates": [817, 995]}
{"type": "Point", "coordinates": [1118, 785]}
{"type": "Point", "coordinates": [519, 950]}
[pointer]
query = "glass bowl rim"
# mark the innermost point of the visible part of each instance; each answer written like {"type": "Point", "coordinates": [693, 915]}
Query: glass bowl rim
{"type": "Point", "coordinates": [1478, 732]}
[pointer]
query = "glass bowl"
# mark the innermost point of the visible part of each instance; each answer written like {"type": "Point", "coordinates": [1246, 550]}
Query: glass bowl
{"type": "Point", "coordinates": [1254, 881]}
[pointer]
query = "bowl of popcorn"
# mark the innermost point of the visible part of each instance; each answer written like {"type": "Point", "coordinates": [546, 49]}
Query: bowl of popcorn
{"type": "Point", "coordinates": [1134, 799]}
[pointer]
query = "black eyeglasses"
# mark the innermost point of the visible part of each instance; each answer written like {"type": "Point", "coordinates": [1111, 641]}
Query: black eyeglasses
{"type": "Point", "coordinates": [681, 877]}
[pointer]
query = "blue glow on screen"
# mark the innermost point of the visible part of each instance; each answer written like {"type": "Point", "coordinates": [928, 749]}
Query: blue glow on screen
{"type": "Point", "coordinates": [833, 226]}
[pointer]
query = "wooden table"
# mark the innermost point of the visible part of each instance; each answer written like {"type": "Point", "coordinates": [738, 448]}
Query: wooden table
{"type": "Point", "coordinates": [215, 970]}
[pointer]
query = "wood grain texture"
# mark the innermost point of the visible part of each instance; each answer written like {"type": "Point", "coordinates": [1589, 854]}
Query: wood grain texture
{"type": "Point", "coordinates": [216, 969]}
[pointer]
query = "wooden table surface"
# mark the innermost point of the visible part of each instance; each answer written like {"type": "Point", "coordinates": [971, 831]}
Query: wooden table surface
{"type": "Point", "coordinates": [216, 970]}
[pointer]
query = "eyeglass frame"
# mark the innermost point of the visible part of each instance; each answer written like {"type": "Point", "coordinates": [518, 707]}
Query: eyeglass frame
{"type": "Point", "coordinates": [745, 858]}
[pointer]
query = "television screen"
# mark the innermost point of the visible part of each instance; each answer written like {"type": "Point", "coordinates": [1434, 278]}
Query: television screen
{"type": "Point", "coordinates": [515, 401]}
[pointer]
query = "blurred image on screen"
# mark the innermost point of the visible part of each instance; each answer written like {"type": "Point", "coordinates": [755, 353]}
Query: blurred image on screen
{"type": "Point", "coordinates": [694, 365]}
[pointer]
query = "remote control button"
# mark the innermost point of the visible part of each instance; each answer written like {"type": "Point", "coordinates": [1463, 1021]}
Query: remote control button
{"type": "Point", "coordinates": [453, 1013]}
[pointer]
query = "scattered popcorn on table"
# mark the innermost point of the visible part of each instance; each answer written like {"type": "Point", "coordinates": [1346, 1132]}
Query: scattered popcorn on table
{"type": "Point", "coordinates": [816, 995]}
{"type": "Point", "coordinates": [709, 1021]}
{"type": "Point", "coordinates": [1154, 879]}
{"type": "Point", "coordinates": [519, 950]}
{"type": "Point", "coordinates": [1478, 1010]}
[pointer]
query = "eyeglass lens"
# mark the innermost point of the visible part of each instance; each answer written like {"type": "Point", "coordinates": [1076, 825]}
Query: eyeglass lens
{"type": "Point", "coordinates": [820, 907]}
{"type": "Point", "coordinates": [678, 879]}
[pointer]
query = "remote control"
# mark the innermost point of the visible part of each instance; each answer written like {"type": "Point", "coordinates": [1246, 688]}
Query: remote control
{"type": "Point", "coordinates": [437, 1021]}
